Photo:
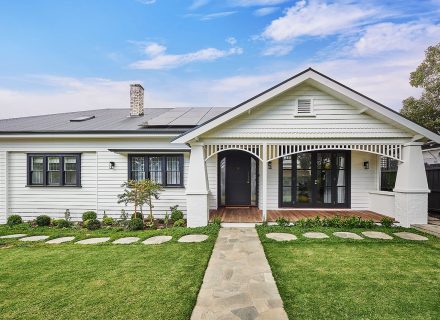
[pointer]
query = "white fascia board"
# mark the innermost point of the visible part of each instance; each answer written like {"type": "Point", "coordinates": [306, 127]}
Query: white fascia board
{"type": "Point", "coordinates": [242, 108]}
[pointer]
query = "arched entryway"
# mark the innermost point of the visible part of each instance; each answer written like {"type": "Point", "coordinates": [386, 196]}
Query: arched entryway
{"type": "Point", "coordinates": [237, 179]}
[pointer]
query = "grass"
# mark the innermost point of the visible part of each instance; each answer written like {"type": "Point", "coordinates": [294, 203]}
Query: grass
{"type": "Point", "coordinates": [355, 279]}
{"type": "Point", "coordinates": [105, 281]}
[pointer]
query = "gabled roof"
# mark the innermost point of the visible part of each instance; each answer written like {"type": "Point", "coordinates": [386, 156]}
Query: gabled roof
{"type": "Point", "coordinates": [155, 120]}
{"type": "Point", "coordinates": [324, 83]}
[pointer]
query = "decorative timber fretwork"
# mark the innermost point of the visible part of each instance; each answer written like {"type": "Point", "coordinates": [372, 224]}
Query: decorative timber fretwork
{"type": "Point", "coordinates": [274, 151]}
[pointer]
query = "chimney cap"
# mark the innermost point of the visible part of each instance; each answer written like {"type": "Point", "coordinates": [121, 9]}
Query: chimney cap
{"type": "Point", "coordinates": [136, 85]}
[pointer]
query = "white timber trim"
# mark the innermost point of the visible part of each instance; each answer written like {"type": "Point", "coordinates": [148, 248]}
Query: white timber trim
{"type": "Point", "coordinates": [275, 151]}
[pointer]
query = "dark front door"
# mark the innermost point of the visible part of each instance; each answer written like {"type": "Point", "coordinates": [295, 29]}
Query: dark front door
{"type": "Point", "coordinates": [315, 180]}
{"type": "Point", "coordinates": [237, 179]}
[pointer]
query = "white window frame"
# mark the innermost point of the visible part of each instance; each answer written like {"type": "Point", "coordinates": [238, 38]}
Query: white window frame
{"type": "Point", "coordinates": [312, 108]}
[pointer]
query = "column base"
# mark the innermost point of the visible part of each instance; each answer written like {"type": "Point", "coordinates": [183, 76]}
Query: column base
{"type": "Point", "coordinates": [197, 210]}
{"type": "Point", "coordinates": [411, 208]}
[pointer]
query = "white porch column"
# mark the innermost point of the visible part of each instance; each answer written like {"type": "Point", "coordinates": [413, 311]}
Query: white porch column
{"type": "Point", "coordinates": [197, 188]}
{"type": "Point", "coordinates": [411, 188]}
{"type": "Point", "coordinates": [264, 182]}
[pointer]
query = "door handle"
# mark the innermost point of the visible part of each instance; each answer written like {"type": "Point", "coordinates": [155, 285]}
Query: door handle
{"type": "Point", "coordinates": [316, 181]}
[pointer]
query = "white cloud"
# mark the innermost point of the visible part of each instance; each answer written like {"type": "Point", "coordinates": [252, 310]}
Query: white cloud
{"type": "Point", "coordinates": [265, 11]}
{"type": "Point", "coordinates": [231, 40]}
{"type": "Point", "coordinates": [385, 37]}
{"type": "Point", "coordinates": [198, 4]}
{"type": "Point", "coordinates": [277, 50]}
{"type": "Point", "coordinates": [147, 1]}
{"type": "Point", "coordinates": [250, 3]}
{"type": "Point", "coordinates": [216, 15]}
{"type": "Point", "coordinates": [317, 18]}
{"type": "Point", "coordinates": [158, 59]}
{"type": "Point", "coordinates": [154, 49]}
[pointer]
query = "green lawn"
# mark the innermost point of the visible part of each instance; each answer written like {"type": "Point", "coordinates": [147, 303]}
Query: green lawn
{"type": "Point", "coordinates": [105, 281]}
{"type": "Point", "coordinates": [355, 279]}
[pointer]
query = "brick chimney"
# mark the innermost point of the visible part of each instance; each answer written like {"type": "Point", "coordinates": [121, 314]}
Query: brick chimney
{"type": "Point", "coordinates": [136, 100]}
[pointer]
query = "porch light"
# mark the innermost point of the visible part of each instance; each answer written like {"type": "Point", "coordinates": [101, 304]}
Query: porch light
{"type": "Point", "coordinates": [111, 165]}
{"type": "Point", "coordinates": [366, 165]}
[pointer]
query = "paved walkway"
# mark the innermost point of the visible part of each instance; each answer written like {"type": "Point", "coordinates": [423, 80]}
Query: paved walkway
{"type": "Point", "coordinates": [429, 228]}
{"type": "Point", "coordinates": [238, 282]}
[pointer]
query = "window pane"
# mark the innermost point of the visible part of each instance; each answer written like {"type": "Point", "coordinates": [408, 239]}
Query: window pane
{"type": "Point", "coordinates": [37, 170]}
{"type": "Point", "coordinates": [287, 195]}
{"type": "Point", "coordinates": [303, 185]}
{"type": "Point", "coordinates": [53, 170]}
{"type": "Point", "coordinates": [70, 170]}
{"type": "Point", "coordinates": [173, 171]}
{"type": "Point", "coordinates": [137, 168]}
{"type": "Point", "coordinates": [304, 161]}
{"type": "Point", "coordinates": [155, 169]}
{"type": "Point", "coordinates": [341, 194]}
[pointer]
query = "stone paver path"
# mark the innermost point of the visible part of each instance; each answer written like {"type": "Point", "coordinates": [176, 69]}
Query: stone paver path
{"type": "Point", "coordinates": [126, 240]}
{"type": "Point", "coordinates": [93, 240]}
{"type": "Point", "coordinates": [315, 235]}
{"type": "Point", "coordinates": [410, 236]}
{"type": "Point", "coordinates": [279, 236]}
{"type": "Point", "coordinates": [238, 282]}
{"type": "Point", "coordinates": [347, 235]}
{"type": "Point", "coordinates": [13, 236]}
{"type": "Point", "coordinates": [34, 238]}
{"type": "Point", "coordinates": [193, 238]}
{"type": "Point", "coordinates": [157, 240]}
{"type": "Point", "coordinates": [60, 240]}
{"type": "Point", "coordinates": [377, 235]}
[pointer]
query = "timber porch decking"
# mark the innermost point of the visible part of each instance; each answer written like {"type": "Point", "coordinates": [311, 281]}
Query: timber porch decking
{"type": "Point", "coordinates": [253, 214]}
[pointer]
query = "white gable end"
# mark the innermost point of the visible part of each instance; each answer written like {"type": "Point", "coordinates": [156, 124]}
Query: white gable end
{"type": "Point", "coordinates": [328, 117]}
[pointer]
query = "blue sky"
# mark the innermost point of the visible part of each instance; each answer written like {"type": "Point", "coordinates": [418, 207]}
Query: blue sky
{"type": "Point", "coordinates": [59, 56]}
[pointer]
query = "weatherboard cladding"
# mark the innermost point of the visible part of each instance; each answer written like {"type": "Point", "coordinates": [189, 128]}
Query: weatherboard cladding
{"type": "Point", "coordinates": [112, 120]}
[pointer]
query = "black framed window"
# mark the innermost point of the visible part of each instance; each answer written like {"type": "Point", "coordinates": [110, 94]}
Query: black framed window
{"type": "Point", "coordinates": [166, 170]}
{"type": "Point", "coordinates": [54, 169]}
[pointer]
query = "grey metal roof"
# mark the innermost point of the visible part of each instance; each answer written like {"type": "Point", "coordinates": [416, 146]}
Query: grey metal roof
{"type": "Point", "coordinates": [176, 120]}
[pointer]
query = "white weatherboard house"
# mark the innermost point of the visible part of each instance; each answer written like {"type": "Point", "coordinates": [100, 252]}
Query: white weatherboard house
{"type": "Point", "coordinates": [307, 143]}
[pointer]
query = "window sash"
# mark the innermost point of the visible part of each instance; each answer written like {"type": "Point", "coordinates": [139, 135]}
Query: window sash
{"type": "Point", "coordinates": [54, 169]}
{"type": "Point", "coordinates": [167, 170]}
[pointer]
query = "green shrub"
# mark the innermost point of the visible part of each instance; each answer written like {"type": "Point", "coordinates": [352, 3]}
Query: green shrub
{"type": "Point", "coordinates": [43, 221]}
{"type": "Point", "coordinates": [176, 214]}
{"type": "Point", "coordinates": [282, 222]}
{"type": "Point", "coordinates": [108, 221]}
{"type": "Point", "coordinates": [135, 224]}
{"type": "Point", "coordinates": [14, 219]}
{"type": "Point", "coordinates": [92, 224]}
{"type": "Point", "coordinates": [179, 223]}
{"type": "Point", "coordinates": [137, 216]}
{"type": "Point", "coordinates": [61, 223]}
{"type": "Point", "coordinates": [387, 222]}
{"type": "Point", "coordinates": [89, 215]}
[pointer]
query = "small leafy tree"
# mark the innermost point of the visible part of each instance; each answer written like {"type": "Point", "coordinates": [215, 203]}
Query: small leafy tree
{"type": "Point", "coordinates": [140, 193]}
{"type": "Point", "coordinates": [426, 110]}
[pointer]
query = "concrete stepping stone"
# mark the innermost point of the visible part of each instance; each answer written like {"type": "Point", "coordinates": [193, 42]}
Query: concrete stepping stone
{"type": "Point", "coordinates": [377, 235]}
{"type": "Point", "coordinates": [13, 236]}
{"type": "Point", "coordinates": [315, 235]}
{"type": "Point", "coordinates": [157, 240]}
{"type": "Point", "coordinates": [347, 235]}
{"type": "Point", "coordinates": [34, 238]}
{"type": "Point", "coordinates": [126, 240]}
{"type": "Point", "coordinates": [94, 240]}
{"type": "Point", "coordinates": [193, 238]}
{"type": "Point", "coordinates": [410, 236]}
{"type": "Point", "coordinates": [278, 236]}
{"type": "Point", "coordinates": [60, 240]}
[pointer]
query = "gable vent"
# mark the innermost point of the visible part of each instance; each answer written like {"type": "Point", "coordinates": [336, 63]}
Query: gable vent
{"type": "Point", "coordinates": [304, 106]}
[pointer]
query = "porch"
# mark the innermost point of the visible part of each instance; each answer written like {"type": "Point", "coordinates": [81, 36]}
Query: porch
{"type": "Point", "coordinates": [254, 215]}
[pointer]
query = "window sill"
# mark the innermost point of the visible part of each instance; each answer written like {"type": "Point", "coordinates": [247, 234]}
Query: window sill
{"type": "Point", "coordinates": [50, 186]}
